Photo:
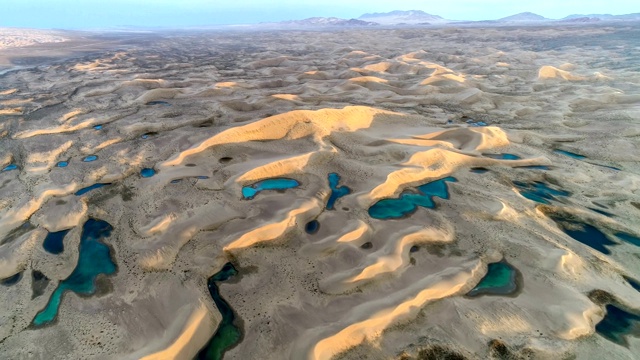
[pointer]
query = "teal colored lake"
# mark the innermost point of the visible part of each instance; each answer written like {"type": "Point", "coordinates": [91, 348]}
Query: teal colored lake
{"type": "Point", "coordinates": [249, 192]}
{"type": "Point", "coordinates": [10, 167]}
{"type": "Point", "coordinates": [54, 242]}
{"type": "Point", "coordinates": [228, 334]}
{"type": "Point", "coordinates": [570, 154]}
{"type": "Point", "coordinates": [503, 156]}
{"type": "Point", "coordinates": [626, 237]}
{"type": "Point", "coordinates": [62, 164]}
{"type": "Point", "coordinates": [539, 192]}
{"type": "Point", "coordinates": [501, 279]}
{"type": "Point", "coordinates": [147, 172]}
{"type": "Point", "coordinates": [90, 158]}
{"type": "Point", "coordinates": [94, 259]}
{"type": "Point", "coordinates": [408, 202]}
{"type": "Point", "coordinates": [336, 191]}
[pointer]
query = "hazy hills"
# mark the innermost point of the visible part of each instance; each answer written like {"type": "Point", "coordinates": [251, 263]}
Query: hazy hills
{"type": "Point", "coordinates": [419, 17]}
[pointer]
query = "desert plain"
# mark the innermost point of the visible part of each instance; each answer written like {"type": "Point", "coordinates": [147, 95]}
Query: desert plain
{"type": "Point", "coordinates": [535, 129]}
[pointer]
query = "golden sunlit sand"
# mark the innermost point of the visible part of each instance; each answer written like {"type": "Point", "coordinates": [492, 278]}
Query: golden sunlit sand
{"type": "Point", "coordinates": [387, 110]}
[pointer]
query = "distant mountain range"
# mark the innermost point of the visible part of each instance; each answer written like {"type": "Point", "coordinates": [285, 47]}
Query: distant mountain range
{"type": "Point", "coordinates": [328, 21]}
{"type": "Point", "coordinates": [525, 16]}
{"type": "Point", "coordinates": [418, 17]}
{"type": "Point", "coordinates": [402, 17]}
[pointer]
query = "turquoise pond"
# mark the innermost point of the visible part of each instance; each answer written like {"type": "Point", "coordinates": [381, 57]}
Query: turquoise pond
{"type": "Point", "coordinates": [54, 242]}
{"type": "Point", "coordinates": [147, 172]}
{"type": "Point", "coordinates": [570, 154]}
{"type": "Point", "coordinates": [617, 324]}
{"type": "Point", "coordinates": [249, 192]}
{"type": "Point", "coordinates": [501, 279]}
{"type": "Point", "coordinates": [11, 280]}
{"type": "Point", "coordinates": [89, 188]}
{"type": "Point", "coordinates": [336, 191]}
{"type": "Point", "coordinates": [10, 167]}
{"type": "Point", "coordinates": [503, 156]}
{"type": "Point", "coordinates": [312, 227]}
{"type": "Point", "coordinates": [98, 127]}
{"type": "Point", "coordinates": [228, 334]}
{"type": "Point", "coordinates": [62, 164]}
{"type": "Point", "coordinates": [94, 259]}
{"type": "Point", "coordinates": [408, 202]}
{"type": "Point", "coordinates": [626, 237]}
{"type": "Point", "coordinates": [584, 233]}
{"type": "Point", "coordinates": [539, 192]}
{"type": "Point", "coordinates": [90, 158]}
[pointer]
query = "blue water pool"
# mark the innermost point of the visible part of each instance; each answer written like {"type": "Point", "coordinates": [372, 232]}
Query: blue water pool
{"type": "Point", "coordinates": [158, 102]}
{"type": "Point", "coordinates": [336, 191]}
{"type": "Point", "coordinates": [631, 239]}
{"type": "Point", "coordinates": [479, 170]}
{"type": "Point", "coordinates": [54, 242]}
{"type": "Point", "coordinates": [90, 158]}
{"type": "Point", "coordinates": [602, 212]}
{"type": "Point", "coordinates": [584, 233]}
{"type": "Point", "coordinates": [539, 192]}
{"type": "Point", "coordinates": [62, 164]}
{"type": "Point", "coordinates": [11, 280]}
{"type": "Point", "coordinates": [408, 202]}
{"type": "Point", "coordinates": [94, 259]}
{"type": "Point", "coordinates": [228, 334]}
{"type": "Point", "coordinates": [10, 167]}
{"type": "Point", "coordinates": [570, 154]}
{"type": "Point", "coordinates": [98, 127]}
{"type": "Point", "coordinates": [617, 324]}
{"type": "Point", "coordinates": [534, 167]}
{"type": "Point", "coordinates": [89, 188]}
{"type": "Point", "coordinates": [249, 192]}
{"type": "Point", "coordinates": [147, 172]}
{"type": "Point", "coordinates": [503, 156]}
{"type": "Point", "coordinates": [634, 283]}
{"type": "Point", "coordinates": [312, 227]}
{"type": "Point", "coordinates": [501, 279]}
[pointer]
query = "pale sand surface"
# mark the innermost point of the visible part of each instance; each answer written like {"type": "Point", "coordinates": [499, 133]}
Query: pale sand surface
{"type": "Point", "coordinates": [387, 111]}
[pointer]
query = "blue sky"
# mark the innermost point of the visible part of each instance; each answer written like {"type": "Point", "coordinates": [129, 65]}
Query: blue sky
{"type": "Point", "coordinates": [77, 14]}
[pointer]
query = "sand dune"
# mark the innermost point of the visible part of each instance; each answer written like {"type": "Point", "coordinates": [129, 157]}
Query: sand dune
{"type": "Point", "coordinates": [534, 130]}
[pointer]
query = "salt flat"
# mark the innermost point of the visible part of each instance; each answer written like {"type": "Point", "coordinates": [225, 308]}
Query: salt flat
{"type": "Point", "coordinates": [551, 113]}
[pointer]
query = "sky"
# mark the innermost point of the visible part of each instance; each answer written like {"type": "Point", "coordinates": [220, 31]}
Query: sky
{"type": "Point", "coordinates": [93, 14]}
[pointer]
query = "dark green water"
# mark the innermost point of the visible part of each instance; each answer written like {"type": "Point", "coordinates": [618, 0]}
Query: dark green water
{"type": "Point", "coordinates": [227, 334]}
